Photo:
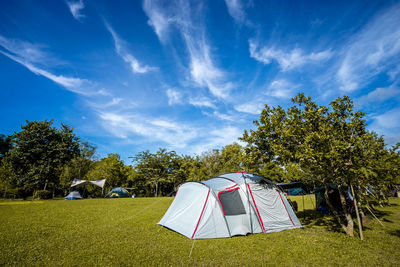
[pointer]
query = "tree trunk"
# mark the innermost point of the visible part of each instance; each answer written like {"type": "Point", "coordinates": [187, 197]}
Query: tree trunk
{"type": "Point", "coordinates": [349, 219]}
{"type": "Point", "coordinates": [156, 191]}
{"type": "Point", "coordinates": [334, 211]}
{"type": "Point", "coordinates": [5, 192]}
{"type": "Point", "coordinates": [357, 213]}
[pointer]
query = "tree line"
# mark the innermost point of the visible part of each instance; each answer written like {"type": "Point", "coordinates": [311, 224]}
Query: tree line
{"type": "Point", "coordinates": [306, 142]}
{"type": "Point", "coordinates": [42, 161]}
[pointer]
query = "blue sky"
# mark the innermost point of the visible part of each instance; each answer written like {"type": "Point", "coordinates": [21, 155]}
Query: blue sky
{"type": "Point", "coordinates": [190, 76]}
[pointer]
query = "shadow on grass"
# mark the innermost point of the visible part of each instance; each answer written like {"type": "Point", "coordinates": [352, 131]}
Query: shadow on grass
{"type": "Point", "coordinates": [395, 233]}
{"type": "Point", "coordinates": [311, 218]}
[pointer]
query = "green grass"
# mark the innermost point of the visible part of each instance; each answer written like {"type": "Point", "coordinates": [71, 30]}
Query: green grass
{"type": "Point", "coordinates": [114, 232]}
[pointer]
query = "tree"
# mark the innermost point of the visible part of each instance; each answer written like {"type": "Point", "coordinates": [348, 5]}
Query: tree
{"type": "Point", "coordinates": [160, 170]}
{"type": "Point", "coordinates": [78, 167]}
{"type": "Point", "coordinates": [7, 177]}
{"type": "Point", "coordinates": [323, 143]}
{"type": "Point", "coordinates": [5, 145]}
{"type": "Point", "coordinates": [39, 153]}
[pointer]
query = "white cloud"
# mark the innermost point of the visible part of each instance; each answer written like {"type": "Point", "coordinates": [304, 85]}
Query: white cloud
{"type": "Point", "coordinates": [203, 69]}
{"type": "Point", "coordinates": [159, 18]}
{"type": "Point", "coordinates": [175, 134]}
{"type": "Point", "coordinates": [389, 119]}
{"type": "Point", "coordinates": [217, 138]}
{"type": "Point", "coordinates": [387, 124]}
{"type": "Point", "coordinates": [29, 52]}
{"type": "Point", "coordinates": [202, 102]}
{"type": "Point", "coordinates": [286, 60]}
{"type": "Point", "coordinates": [174, 97]}
{"type": "Point", "coordinates": [119, 44]}
{"type": "Point", "coordinates": [236, 10]}
{"type": "Point", "coordinates": [252, 107]}
{"type": "Point", "coordinates": [225, 117]}
{"type": "Point", "coordinates": [380, 95]}
{"type": "Point", "coordinates": [76, 85]}
{"type": "Point", "coordinates": [375, 49]}
{"type": "Point", "coordinates": [76, 8]}
{"type": "Point", "coordinates": [282, 89]}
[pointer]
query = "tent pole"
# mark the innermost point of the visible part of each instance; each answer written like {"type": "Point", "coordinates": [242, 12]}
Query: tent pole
{"type": "Point", "coordinates": [358, 215]}
{"type": "Point", "coordinates": [374, 216]}
{"type": "Point", "coordinates": [304, 210]}
{"type": "Point", "coordinates": [190, 254]}
{"type": "Point", "coordinates": [248, 200]}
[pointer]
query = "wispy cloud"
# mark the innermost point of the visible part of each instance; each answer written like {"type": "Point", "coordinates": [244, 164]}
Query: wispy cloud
{"type": "Point", "coordinates": [236, 10]}
{"type": "Point", "coordinates": [30, 52]}
{"type": "Point", "coordinates": [202, 68]}
{"type": "Point", "coordinates": [120, 48]}
{"type": "Point", "coordinates": [29, 55]}
{"type": "Point", "coordinates": [251, 107]}
{"type": "Point", "coordinates": [155, 129]}
{"type": "Point", "coordinates": [217, 138]}
{"type": "Point", "coordinates": [380, 95]}
{"type": "Point", "coordinates": [225, 117]}
{"type": "Point", "coordinates": [287, 60]}
{"type": "Point", "coordinates": [174, 97]}
{"type": "Point", "coordinates": [388, 124]}
{"type": "Point", "coordinates": [160, 19]}
{"type": "Point", "coordinates": [375, 49]}
{"type": "Point", "coordinates": [76, 8]}
{"type": "Point", "coordinates": [201, 102]}
{"type": "Point", "coordinates": [282, 89]}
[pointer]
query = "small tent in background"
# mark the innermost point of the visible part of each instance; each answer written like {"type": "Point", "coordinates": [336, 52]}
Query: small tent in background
{"type": "Point", "coordinates": [74, 195]}
{"type": "Point", "coordinates": [118, 192]}
{"type": "Point", "coordinates": [228, 205]}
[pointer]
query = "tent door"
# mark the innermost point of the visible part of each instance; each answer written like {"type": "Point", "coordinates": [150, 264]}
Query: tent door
{"type": "Point", "coordinates": [234, 211]}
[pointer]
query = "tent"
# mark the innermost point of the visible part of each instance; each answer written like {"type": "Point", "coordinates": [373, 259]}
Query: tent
{"type": "Point", "coordinates": [74, 195]}
{"type": "Point", "coordinates": [118, 192]}
{"type": "Point", "coordinates": [228, 205]}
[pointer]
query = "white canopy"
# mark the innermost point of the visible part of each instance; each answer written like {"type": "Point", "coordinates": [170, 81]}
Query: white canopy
{"type": "Point", "coordinates": [99, 183]}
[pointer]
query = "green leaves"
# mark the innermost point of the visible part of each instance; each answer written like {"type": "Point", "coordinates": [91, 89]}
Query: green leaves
{"type": "Point", "coordinates": [39, 153]}
{"type": "Point", "coordinates": [324, 144]}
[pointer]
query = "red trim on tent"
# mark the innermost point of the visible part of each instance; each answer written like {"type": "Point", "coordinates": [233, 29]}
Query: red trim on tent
{"type": "Point", "coordinates": [201, 214]}
{"type": "Point", "coordinates": [284, 205]}
{"type": "Point", "coordinates": [219, 199]}
{"type": "Point", "coordinates": [259, 217]}
{"type": "Point", "coordinates": [177, 191]}
{"type": "Point", "coordinates": [231, 186]}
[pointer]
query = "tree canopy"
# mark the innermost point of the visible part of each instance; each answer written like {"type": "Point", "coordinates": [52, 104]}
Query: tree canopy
{"type": "Point", "coordinates": [318, 143]}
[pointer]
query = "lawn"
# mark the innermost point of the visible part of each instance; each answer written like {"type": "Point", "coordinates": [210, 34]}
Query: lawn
{"type": "Point", "coordinates": [124, 232]}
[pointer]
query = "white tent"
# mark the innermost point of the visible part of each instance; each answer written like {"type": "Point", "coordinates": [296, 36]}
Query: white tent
{"type": "Point", "coordinates": [227, 205]}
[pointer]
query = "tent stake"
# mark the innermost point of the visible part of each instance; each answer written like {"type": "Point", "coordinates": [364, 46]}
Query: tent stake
{"type": "Point", "coordinates": [190, 254]}
{"type": "Point", "coordinates": [358, 215]}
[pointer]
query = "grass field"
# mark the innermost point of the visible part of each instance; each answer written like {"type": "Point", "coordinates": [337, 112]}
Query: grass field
{"type": "Point", "coordinates": [108, 232]}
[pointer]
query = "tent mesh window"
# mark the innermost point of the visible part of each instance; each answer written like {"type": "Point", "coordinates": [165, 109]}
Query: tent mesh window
{"type": "Point", "coordinates": [232, 203]}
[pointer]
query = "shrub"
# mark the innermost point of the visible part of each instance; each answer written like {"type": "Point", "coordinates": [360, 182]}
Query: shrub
{"type": "Point", "coordinates": [43, 194]}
